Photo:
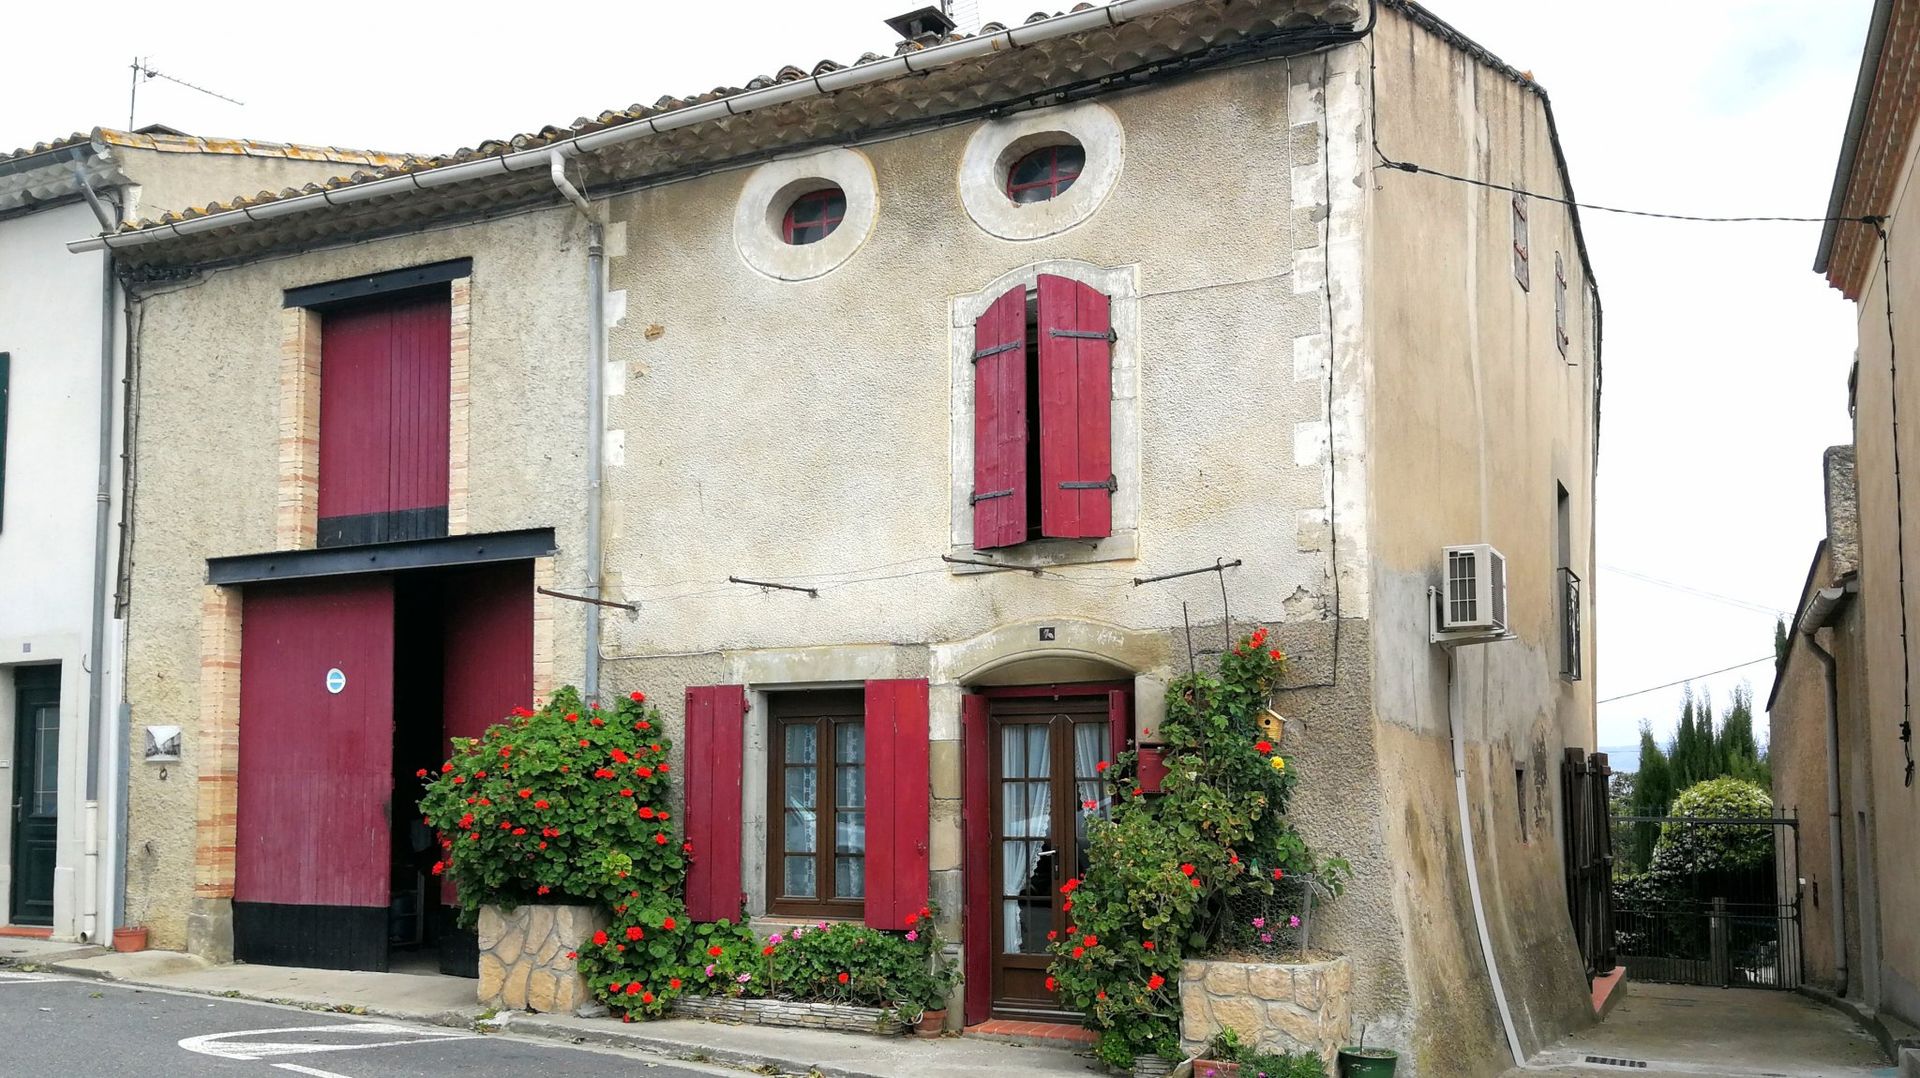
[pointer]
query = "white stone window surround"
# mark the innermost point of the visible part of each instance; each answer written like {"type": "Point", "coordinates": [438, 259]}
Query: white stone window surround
{"type": "Point", "coordinates": [998, 144]}
{"type": "Point", "coordinates": [771, 189]}
{"type": "Point", "coordinates": [1121, 284]}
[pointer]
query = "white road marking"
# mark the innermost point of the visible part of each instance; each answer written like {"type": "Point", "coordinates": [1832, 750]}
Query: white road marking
{"type": "Point", "coordinates": [312, 1072]}
{"type": "Point", "coordinates": [224, 1046]}
{"type": "Point", "coordinates": [22, 978]}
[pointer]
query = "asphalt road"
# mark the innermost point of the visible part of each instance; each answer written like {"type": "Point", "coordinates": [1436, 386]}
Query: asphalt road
{"type": "Point", "coordinates": [60, 1027]}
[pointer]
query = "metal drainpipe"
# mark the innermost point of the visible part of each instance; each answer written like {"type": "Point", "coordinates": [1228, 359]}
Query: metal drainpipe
{"type": "Point", "coordinates": [1818, 613]}
{"type": "Point", "coordinates": [103, 500]}
{"type": "Point", "coordinates": [596, 409]}
{"type": "Point", "coordinates": [1457, 728]}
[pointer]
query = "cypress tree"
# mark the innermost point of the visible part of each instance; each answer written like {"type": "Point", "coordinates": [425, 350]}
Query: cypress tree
{"type": "Point", "coordinates": [1681, 752]}
{"type": "Point", "coordinates": [1652, 796]}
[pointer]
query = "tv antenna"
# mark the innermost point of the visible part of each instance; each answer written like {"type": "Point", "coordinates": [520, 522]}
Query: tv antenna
{"type": "Point", "coordinates": [143, 71]}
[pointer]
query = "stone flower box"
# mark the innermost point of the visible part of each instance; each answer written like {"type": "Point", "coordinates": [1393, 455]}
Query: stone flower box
{"type": "Point", "coordinates": [845, 1017]}
{"type": "Point", "coordinates": [1273, 1006]}
{"type": "Point", "coordinates": [523, 957]}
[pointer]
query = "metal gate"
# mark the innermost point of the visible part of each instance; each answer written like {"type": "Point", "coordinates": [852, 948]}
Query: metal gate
{"type": "Point", "coordinates": [1589, 850]}
{"type": "Point", "coordinates": [1704, 916]}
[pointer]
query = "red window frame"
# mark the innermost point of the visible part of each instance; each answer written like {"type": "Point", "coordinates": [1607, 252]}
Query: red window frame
{"type": "Point", "coordinates": [1055, 179]}
{"type": "Point", "coordinates": [814, 208]}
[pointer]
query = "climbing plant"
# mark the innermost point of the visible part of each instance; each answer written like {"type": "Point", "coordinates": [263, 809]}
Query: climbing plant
{"type": "Point", "coordinates": [1164, 869]}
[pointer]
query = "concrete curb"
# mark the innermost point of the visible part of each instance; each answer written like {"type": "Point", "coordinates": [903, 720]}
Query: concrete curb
{"type": "Point", "coordinates": [1895, 1036]}
{"type": "Point", "coordinates": [624, 1035]}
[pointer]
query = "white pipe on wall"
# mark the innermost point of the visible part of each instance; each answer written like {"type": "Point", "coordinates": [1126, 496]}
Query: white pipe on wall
{"type": "Point", "coordinates": [596, 408]}
{"type": "Point", "coordinates": [1457, 729]}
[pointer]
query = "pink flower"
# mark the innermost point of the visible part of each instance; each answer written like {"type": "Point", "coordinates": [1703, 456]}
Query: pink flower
{"type": "Point", "coordinates": [709, 969]}
{"type": "Point", "coordinates": [1293, 922]}
{"type": "Point", "coordinates": [1259, 922]}
{"type": "Point", "coordinates": [911, 936]}
{"type": "Point", "coordinates": [775, 938]}
{"type": "Point", "coordinates": [1266, 937]}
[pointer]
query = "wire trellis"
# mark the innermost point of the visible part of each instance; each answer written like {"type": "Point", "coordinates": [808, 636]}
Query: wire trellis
{"type": "Point", "coordinates": [1275, 926]}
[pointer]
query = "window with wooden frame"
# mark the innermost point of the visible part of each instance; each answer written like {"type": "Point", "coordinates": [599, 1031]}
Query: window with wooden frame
{"type": "Point", "coordinates": [816, 857]}
{"type": "Point", "coordinates": [813, 216]}
{"type": "Point", "coordinates": [1043, 395]}
{"type": "Point", "coordinates": [1522, 271]}
{"type": "Point", "coordinates": [1046, 172]}
{"type": "Point", "coordinates": [1560, 303]}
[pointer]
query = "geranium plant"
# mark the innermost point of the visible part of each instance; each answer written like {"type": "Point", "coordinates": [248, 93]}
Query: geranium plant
{"type": "Point", "coordinates": [567, 804]}
{"type": "Point", "coordinates": [1164, 871]}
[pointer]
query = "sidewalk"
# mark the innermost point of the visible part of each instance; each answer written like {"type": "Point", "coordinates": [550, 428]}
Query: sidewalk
{"type": "Point", "coordinates": [449, 1001]}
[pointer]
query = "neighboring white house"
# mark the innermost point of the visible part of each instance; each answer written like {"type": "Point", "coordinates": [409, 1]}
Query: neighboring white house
{"type": "Point", "coordinates": [62, 386]}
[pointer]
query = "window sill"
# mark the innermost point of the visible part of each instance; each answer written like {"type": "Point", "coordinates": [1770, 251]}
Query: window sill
{"type": "Point", "coordinates": [765, 924]}
{"type": "Point", "coordinates": [1043, 553]}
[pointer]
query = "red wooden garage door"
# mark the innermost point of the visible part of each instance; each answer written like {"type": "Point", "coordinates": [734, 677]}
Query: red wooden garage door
{"type": "Point", "coordinates": [311, 874]}
{"type": "Point", "coordinates": [487, 652]}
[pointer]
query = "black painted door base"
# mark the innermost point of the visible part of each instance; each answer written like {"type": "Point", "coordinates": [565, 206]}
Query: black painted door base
{"type": "Point", "coordinates": [318, 937]}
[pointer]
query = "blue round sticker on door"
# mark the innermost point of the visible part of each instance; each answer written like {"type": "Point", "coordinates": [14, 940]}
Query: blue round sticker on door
{"type": "Point", "coordinates": [336, 680]}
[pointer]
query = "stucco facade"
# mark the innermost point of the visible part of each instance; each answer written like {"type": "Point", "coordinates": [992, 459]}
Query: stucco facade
{"type": "Point", "coordinates": [54, 313]}
{"type": "Point", "coordinates": [1875, 265]}
{"type": "Point", "coordinates": [1288, 390]}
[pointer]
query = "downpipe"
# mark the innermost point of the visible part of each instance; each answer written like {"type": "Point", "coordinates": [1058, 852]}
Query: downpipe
{"type": "Point", "coordinates": [1818, 613]}
{"type": "Point", "coordinates": [1458, 734]}
{"type": "Point", "coordinates": [596, 409]}
{"type": "Point", "coordinates": [109, 218]}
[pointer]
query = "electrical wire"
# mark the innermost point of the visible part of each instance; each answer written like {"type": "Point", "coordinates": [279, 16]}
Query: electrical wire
{"type": "Point", "coordinates": [1684, 680]}
{"type": "Point", "coordinates": [1761, 608]}
{"type": "Point", "coordinates": [1899, 503]}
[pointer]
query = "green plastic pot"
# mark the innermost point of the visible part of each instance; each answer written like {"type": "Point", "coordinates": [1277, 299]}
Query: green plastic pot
{"type": "Point", "coordinates": [1367, 1062]}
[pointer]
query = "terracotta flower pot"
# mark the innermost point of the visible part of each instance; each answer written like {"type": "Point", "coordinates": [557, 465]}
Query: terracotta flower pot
{"type": "Point", "coordinates": [932, 1023]}
{"type": "Point", "coordinates": [130, 938]}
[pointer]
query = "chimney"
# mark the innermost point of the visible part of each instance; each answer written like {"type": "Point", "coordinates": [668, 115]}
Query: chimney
{"type": "Point", "coordinates": [923, 27]}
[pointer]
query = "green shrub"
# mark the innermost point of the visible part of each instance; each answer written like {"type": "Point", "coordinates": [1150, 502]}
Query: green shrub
{"type": "Point", "coordinates": [1684, 849]}
{"type": "Point", "coordinates": [566, 805]}
{"type": "Point", "coordinates": [1226, 1048]}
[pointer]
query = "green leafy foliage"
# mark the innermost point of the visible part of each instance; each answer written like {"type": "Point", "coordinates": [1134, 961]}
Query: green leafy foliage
{"type": "Point", "coordinates": [1227, 1048]}
{"type": "Point", "coordinates": [1164, 869]}
{"type": "Point", "coordinates": [1690, 850]}
{"type": "Point", "coordinates": [566, 804]}
{"type": "Point", "coordinates": [651, 955]}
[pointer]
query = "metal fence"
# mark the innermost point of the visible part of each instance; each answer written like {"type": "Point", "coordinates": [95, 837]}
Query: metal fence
{"type": "Point", "coordinates": [1710, 921]}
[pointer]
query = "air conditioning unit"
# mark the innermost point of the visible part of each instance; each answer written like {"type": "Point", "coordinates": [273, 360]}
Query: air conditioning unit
{"type": "Point", "coordinates": [1473, 596]}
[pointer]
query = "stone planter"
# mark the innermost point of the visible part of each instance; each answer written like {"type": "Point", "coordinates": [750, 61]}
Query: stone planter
{"type": "Point", "coordinates": [845, 1017]}
{"type": "Point", "coordinates": [1273, 1006]}
{"type": "Point", "coordinates": [523, 957]}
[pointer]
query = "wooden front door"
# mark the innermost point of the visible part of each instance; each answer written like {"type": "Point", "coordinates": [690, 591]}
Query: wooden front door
{"type": "Point", "coordinates": [1044, 787]}
{"type": "Point", "coordinates": [313, 820]}
{"type": "Point", "coordinates": [36, 791]}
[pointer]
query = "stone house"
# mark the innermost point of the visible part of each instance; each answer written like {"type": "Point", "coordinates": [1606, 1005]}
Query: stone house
{"type": "Point", "coordinates": [1865, 771]}
{"type": "Point", "coordinates": [850, 415]}
{"type": "Point", "coordinates": [63, 747]}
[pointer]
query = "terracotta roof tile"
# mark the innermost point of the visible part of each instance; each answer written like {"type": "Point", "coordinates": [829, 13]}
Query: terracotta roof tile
{"type": "Point", "coordinates": [164, 142]}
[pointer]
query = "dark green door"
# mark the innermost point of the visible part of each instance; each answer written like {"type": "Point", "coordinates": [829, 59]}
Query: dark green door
{"type": "Point", "coordinates": [36, 791]}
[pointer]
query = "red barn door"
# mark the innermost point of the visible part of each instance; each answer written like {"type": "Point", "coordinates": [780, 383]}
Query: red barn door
{"type": "Point", "coordinates": [313, 827]}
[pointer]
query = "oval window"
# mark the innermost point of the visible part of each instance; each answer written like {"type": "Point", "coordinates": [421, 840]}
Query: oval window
{"type": "Point", "coordinates": [813, 216]}
{"type": "Point", "coordinates": [1045, 173]}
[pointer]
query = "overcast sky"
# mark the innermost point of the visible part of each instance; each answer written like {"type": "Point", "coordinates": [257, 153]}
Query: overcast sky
{"type": "Point", "coordinates": [1726, 357]}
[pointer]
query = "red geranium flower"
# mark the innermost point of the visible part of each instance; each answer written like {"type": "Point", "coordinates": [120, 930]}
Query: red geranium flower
{"type": "Point", "coordinates": [646, 812]}
{"type": "Point", "coordinates": [686, 847]}
{"type": "Point", "coordinates": [633, 989]}
{"type": "Point", "coordinates": [660, 840]}
{"type": "Point", "coordinates": [526, 793]}
{"type": "Point", "coordinates": [541, 805]}
{"type": "Point", "coordinates": [643, 725]}
{"type": "Point", "coordinates": [626, 791]}
{"type": "Point", "coordinates": [635, 932]}
{"type": "Point", "coordinates": [646, 997]}
{"type": "Point", "coordinates": [420, 774]}
{"type": "Point", "coordinates": [1155, 982]}
{"type": "Point", "coordinates": [714, 951]}
{"type": "Point", "coordinates": [673, 983]}
{"type": "Point", "coordinates": [1186, 870]}
{"type": "Point", "coordinates": [1051, 933]}
{"type": "Point", "coordinates": [639, 697]}
{"type": "Point", "coordinates": [1050, 983]}
{"type": "Point", "coordinates": [1263, 746]}
{"type": "Point", "coordinates": [543, 888]}
{"type": "Point", "coordinates": [620, 756]}
{"type": "Point", "coordinates": [446, 767]}
{"type": "Point", "coordinates": [583, 742]}
{"type": "Point", "coordinates": [1279, 872]}
{"type": "Point", "coordinates": [597, 721]}
{"type": "Point", "coordinates": [1102, 766]}
{"type": "Point", "coordinates": [843, 978]}
{"type": "Point", "coordinates": [1148, 944]}
{"type": "Point", "coordinates": [766, 950]}
{"type": "Point", "coordinates": [600, 939]}
{"type": "Point", "coordinates": [458, 779]}
{"type": "Point", "coordinates": [439, 867]}
{"type": "Point", "coordinates": [573, 716]}
{"type": "Point", "coordinates": [1274, 654]}
{"type": "Point", "coordinates": [647, 772]}
{"type": "Point", "coordinates": [668, 924]}
{"type": "Point", "coordinates": [519, 831]}
{"type": "Point", "coordinates": [1079, 952]}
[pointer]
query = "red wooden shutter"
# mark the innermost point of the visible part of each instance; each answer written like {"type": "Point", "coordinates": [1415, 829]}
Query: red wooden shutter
{"type": "Point", "coordinates": [710, 775]}
{"type": "Point", "coordinates": [977, 809]}
{"type": "Point", "coordinates": [897, 793]}
{"type": "Point", "coordinates": [385, 381]}
{"type": "Point", "coordinates": [1119, 720]}
{"type": "Point", "coordinates": [1076, 391]}
{"type": "Point", "coordinates": [1000, 423]}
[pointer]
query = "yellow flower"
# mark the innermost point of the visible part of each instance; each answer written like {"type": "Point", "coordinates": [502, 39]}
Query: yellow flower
{"type": "Point", "coordinates": [1279, 764]}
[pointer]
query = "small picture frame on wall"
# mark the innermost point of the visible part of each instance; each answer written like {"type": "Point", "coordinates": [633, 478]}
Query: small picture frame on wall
{"type": "Point", "coordinates": [163, 744]}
